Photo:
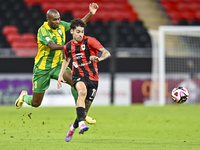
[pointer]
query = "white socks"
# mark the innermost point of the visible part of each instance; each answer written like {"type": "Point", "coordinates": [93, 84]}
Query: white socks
{"type": "Point", "coordinates": [80, 123]}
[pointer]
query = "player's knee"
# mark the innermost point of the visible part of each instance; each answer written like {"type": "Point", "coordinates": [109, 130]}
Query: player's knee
{"type": "Point", "coordinates": [68, 77]}
{"type": "Point", "coordinates": [82, 93]}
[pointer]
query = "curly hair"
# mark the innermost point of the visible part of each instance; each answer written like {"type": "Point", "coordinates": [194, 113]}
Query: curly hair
{"type": "Point", "coordinates": [76, 23]}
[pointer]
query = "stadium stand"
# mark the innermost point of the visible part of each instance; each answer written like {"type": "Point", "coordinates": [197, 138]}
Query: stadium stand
{"type": "Point", "coordinates": [182, 12]}
{"type": "Point", "coordinates": [26, 16]}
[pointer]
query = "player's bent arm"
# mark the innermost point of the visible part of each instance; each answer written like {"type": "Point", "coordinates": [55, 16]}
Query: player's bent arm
{"type": "Point", "coordinates": [53, 46]}
{"type": "Point", "coordinates": [92, 8]}
{"type": "Point", "coordinates": [63, 68]}
{"type": "Point", "coordinates": [105, 54]}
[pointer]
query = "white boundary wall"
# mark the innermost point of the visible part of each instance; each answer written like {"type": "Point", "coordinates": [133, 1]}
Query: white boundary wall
{"type": "Point", "coordinates": [63, 96]}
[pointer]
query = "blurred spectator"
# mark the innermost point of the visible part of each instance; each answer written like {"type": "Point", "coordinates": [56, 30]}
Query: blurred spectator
{"type": "Point", "coordinates": [191, 84]}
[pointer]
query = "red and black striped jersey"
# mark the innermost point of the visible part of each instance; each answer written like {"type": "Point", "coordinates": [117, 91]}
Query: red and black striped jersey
{"type": "Point", "coordinates": [80, 55]}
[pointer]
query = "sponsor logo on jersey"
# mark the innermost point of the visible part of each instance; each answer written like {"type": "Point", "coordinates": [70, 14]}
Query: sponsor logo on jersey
{"type": "Point", "coordinates": [82, 64]}
{"type": "Point", "coordinates": [78, 56]}
{"type": "Point", "coordinates": [75, 64]}
{"type": "Point", "coordinates": [48, 39]}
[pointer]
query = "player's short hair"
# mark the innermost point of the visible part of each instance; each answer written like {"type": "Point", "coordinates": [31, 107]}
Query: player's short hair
{"type": "Point", "coordinates": [50, 12]}
{"type": "Point", "coordinates": [76, 23]}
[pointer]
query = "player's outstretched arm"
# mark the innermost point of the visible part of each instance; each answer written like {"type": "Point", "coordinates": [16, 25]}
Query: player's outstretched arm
{"type": "Point", "coordinates": [92, 8]}
{"type": "Point", "coordinates": [105, 54]}
{"type": "Point", "coordinates": [63, 68]}
{"type": "Point", "coordinates": [53, 46]}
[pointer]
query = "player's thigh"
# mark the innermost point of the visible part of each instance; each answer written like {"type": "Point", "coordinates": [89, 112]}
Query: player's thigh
{"type": "Point", "coordinates": [81, 87]}
{"type": "Point", "coordinates": [67, 74]}
{"type": "Point", "coordinates": [41, 81]}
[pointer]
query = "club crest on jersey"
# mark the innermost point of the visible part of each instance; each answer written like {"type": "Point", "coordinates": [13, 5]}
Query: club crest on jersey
{"type": "Point", "coordinates": [59, 31]}
{"type": "Point", "coordinates": [83, 47]}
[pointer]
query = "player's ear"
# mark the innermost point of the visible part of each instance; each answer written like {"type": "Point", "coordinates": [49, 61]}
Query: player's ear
{"type": "Point", "coordinates": [71, 31]}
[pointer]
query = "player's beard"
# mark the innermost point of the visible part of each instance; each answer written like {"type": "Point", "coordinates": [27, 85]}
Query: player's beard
{"type": "Point", "coordinates": [56, 26]}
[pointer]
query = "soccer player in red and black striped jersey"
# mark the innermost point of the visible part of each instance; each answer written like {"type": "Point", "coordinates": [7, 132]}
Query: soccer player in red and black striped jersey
{"type": "Point", "coordinates": [51, 40]}
{"type": "Point", "coordinates": [82, 50]}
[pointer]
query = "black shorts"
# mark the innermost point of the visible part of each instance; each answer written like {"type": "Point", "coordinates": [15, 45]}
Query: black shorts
{"type": "Point", "coordinates": [90, 85]}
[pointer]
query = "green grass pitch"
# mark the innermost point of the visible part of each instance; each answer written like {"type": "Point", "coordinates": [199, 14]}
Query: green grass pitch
{"type": "Point", "coordinates": [138, 127]}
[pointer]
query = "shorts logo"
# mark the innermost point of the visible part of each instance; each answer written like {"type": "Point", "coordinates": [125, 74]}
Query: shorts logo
{"type": "Point", "coordinates": [78, 79]}
{"type": "Point", "coordinates": [93, 94]}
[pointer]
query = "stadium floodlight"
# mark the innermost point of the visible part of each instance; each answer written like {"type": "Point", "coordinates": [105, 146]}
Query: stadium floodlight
{"type": "Point", "coordinates": [175, 58]}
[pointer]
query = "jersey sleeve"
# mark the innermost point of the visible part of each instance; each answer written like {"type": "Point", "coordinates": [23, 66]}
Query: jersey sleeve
{"type": "Point", "coordinates": [44, 36]}
{"type": "Point", "coordinates": [94, 43]}
{"type": "Point", "coordinates": [66, 25]}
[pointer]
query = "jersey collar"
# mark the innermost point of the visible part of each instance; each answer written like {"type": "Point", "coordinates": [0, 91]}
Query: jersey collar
{"type": "Point", "coordinates": [48, 27]}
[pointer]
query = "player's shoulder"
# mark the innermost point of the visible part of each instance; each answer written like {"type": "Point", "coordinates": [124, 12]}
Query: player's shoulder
{"type": "Point", "coordinates": [69, 42]}
{"type": "Point", "coordinates": [64, 23]}
{"type": "Point", "coordinates": [90, 39]}
{"type": "Point", "coordinates": [42, 28]}
{"type": "Point", "coordinates": [68, 45]}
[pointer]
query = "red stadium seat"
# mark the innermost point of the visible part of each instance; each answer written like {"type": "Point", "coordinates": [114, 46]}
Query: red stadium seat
{"type": "Point", "coordinates": [194, 6]}
{"type": "Point", "coordinates": [46, 6]}
{"type": "Point", "coordinates": [60, 6]}
{"type": "Point", "coordinates": [131, 16]}
{"type": "Point", "coordinates": [125, 15]}
{"type": "Point", "coordinates": [11, 38]}
{"type": "Point", "coordinates": [83, 6]}
{"type": "Point", "coordinates": [182, 6]}
{"type": "Point", "coordinates": [163, 1]}
{"type": "Point", "coordinates": [110, 6]}
{"type": "Point", "coordinates": [70, 7]}
{"type": "Point", "coordinates": [66, 1]}
{"type": "Point", "coordinates": [126, 7]}
{"type": "Point", "coordinates": [168, 6]}
{"type": "Point", "coordinates": [175, 16]}
{"type": "Point", "coordinates": [188, 15]}
{"type": "Point", "coordinates": [9, 30]}
{"type": "Point", "coordinates": [120, 1]}
{"type": "Point", "coordinates": [17, 45]}
{"type": "Point", "coordinates": [197, 15]}
{"type": "Point", "coordinates": [102, 15]}
{"type": "Point", "coordinates": [175, 1]}
{"type": "Point", "coordinates": [31, 44]}
{"type": "Point", "coordinates": [80, 14]}
{"type": "Point", "coordinates": [25, 49]}
{"type": "Point", "coordinates": [102, 6]}
{"type": "Point", "coordinates": [27, 37]}
{"type": "Point", "coordinates": [106, 1]}
{"type": "Point", "coordinates": [32, 2]}
{"type": "Point", "coordinates": [189, 1]}
{"type": "Point", "coordinates": [26, 52]}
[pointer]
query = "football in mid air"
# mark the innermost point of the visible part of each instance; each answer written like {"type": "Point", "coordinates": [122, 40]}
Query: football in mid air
{"type": "Point", "coordinates": [180, 95]}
